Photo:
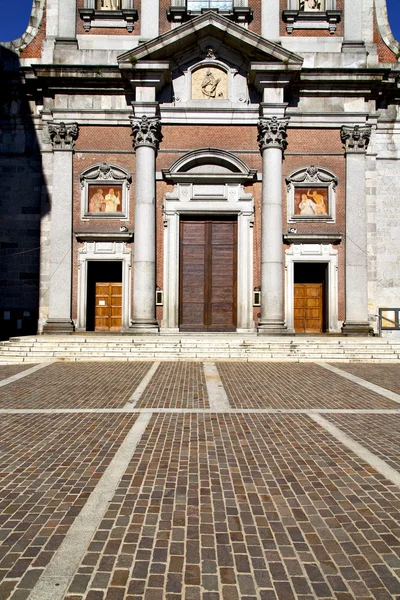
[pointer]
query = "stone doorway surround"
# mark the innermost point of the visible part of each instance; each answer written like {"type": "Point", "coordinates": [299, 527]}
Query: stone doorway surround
{"type": "Point", "coordinates": [209, 182]}
{"type": "Point", "coordinates": [103, 251]}
{"type": "Point", "coordinates": [313, 253]}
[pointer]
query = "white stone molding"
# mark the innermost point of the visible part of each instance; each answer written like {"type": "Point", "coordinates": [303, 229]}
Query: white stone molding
{"type": "Point", "coordinates": [311, 177]}
{"type": "Point", "coordinates": [195, 167]}
{"type": "Point", "coordinates": [212, 199]}
{"type": "Point", "coordinates": [105, 174]}
{"type": "Point", "coordinates": [63, 135]}
{"type": "Point", "coordinates": [272, 133]}
{"type": "Point", "coordinates": [355, 139]}
{"type": "Point", "coordinates": [312, 253]}
{"type": "Point", "coordinates": [103, 251]}
{"type": "Point", "coordinates": [146, 131]}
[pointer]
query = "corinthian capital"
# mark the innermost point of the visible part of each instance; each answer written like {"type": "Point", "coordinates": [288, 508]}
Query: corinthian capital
{"type": "Point", "coordinates": [146, 131]}
{"type": "Point", "coordinates": [355, 139]}
{"type": "Point", "coordinates": [272, 133]}
{"type": "Point", "coordinates": [63, 135]}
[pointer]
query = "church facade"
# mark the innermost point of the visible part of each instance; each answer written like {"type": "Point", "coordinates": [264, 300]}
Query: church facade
{"type": "Point", "coordinates": [216, 166]}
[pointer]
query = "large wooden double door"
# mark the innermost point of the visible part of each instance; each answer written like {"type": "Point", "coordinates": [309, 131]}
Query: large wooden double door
{"type": "Point", "coordinates": [208, 274]}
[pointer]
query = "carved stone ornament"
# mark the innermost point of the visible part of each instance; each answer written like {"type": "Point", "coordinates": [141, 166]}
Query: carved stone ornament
{"type": "Point", "coordinates": [63, 135]}
{"type": "Point", "coordinates": [105, 172]}
{"type": "Point", "coordinates": [312, 174]}
{"type": "Point", "coordinates": [210, 52]}
{"type": "Point", "coordinates": [355, 139]}
{"type": "Point", "coordinates": [272, 133]}
{"type": "Point", "coordinates": [146, 131]}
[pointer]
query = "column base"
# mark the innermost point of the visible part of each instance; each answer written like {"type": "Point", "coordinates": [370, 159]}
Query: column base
{"type": "Point", "coordinates": [144, 327]}
{"type": "Point", "coordinates": [273, 328]}
{"type": "Point", "coordinates": [361, 328]}
{"type": "Point", "coordinates": [58, 326]}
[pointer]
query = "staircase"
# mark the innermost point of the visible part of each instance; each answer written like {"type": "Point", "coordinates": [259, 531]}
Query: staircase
{"type": "Point", "coordinates": [43, 348]}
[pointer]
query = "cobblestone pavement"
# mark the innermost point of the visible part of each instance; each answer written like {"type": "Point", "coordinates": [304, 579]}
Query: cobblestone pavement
{"type": "Point", "coordinates": [257, 481]}
{"type": "Point", "coordinates": [177, 385]}
{"type": "Point", "coordinates": [10, 370]}
{"type": "Point", "coordinates": [387, 375]}
{"type": "Point", "coordinates": [81, 385]}
{"type": "Point", "coordinates": [293, 385]}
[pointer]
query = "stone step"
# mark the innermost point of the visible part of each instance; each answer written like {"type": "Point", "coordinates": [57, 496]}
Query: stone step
{"type": "Point", "coordinates": [197, 347]}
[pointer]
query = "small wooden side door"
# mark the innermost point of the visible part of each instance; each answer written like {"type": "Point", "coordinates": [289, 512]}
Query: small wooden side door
{"type": "Point", "coordinates": [108, 306]}
{"type": "Point", "coordinates": [308, 307]}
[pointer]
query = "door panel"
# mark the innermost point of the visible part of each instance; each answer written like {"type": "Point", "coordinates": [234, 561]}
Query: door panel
{"type": "Point", "coordinates": [108, 306]}
{"type": "Point", "coordinates": [208, 275]}
{"type": "Point", "coordinates": [308, 307]}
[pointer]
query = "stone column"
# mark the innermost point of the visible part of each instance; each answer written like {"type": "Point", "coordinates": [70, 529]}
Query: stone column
{"type": "Point", "coordinates": [272, 142]}
{"type": "Point", "coordinates": [355, 140]}
{"type": "Point", "coordinates": [147, 135]}
{"type": "Point", "coordinates": [59, 319]}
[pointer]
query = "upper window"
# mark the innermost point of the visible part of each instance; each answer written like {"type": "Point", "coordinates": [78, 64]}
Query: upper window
{"type": "Point", "coordinates": [311, 5]}
{"type": "Point", "coordinates": [108, 13]}
{"type": "Point", "coordinates": [182, 10]}
{"type": "Point", "coordinates": [108, 4]}
{"type": "Point", "coordinates": [311, 14]}
{"type": "Point", "coordinates": [197, 6]}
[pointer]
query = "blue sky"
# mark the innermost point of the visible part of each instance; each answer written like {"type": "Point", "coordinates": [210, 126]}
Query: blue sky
{"type": "Point", "coordinates": [15, 17]}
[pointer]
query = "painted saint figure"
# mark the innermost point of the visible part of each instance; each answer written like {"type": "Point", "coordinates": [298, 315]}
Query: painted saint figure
{"type": "Point", "coordinates": [307, 206]}
{"type": "Point", "coordinates": [209, 85]}
{"type": "Point", "coordinates": [112, 201]}
{"type": "Point", "coordinates": [96, 202]}
{"type": "Point", "coordinates": [319, 202]}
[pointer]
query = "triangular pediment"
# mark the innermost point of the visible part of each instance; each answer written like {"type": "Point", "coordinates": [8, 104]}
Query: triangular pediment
{"type": "Point", "coordinates": [211, 26]}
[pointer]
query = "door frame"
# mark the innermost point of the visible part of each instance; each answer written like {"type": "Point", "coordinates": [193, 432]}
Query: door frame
{"type": "Point", "coordinates": [209, 200]}
{"type": "Point", "coordinates": [104, 252]}
{"type": "Point", "coordinates": [313, 253]}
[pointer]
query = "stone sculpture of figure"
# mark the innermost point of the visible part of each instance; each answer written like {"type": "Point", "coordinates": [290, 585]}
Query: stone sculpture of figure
{"type": "Point", "coordinates": [307, 206]}
{"type": "Point", "coordinates": [209, 85]}
{"type": "Point", "coordinates": [319, 202]}
{"type": "Point", "coordinates": [96, 202]}
{"type": "Point", "coordinates": [112, 201]}
{"type": "Point", "coordinates": [109, 4]}
{"type": "Point", "coordinates": [310, 5]}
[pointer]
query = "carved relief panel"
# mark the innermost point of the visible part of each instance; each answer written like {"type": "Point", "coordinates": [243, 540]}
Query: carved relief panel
{"type": "Point", "coordinates": [209, 82]}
